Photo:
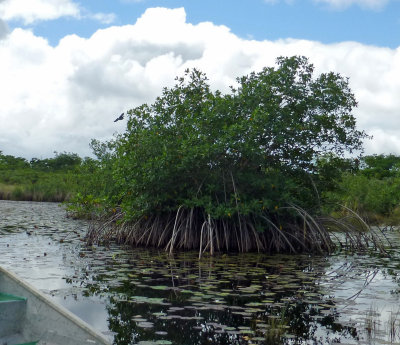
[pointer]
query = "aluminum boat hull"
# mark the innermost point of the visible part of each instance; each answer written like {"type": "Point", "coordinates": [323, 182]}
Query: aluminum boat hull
{"type": "Point", "coordinates": [31, 317]}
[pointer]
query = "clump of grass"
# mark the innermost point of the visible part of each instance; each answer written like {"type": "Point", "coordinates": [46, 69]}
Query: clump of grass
{"type": "Point", "coordinates": [372, 322]}
{"type": "Point", "coordinates": [393, 326]}
{"type": "Point", "coordinates": [277, 327]}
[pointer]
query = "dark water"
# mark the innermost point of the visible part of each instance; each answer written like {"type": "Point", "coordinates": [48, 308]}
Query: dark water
{"type": "Point", "coordinates": [138, 296]}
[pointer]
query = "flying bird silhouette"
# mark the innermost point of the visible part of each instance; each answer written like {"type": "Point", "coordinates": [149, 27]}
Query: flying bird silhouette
{"type": "Point", "coordinates": [119, 118]}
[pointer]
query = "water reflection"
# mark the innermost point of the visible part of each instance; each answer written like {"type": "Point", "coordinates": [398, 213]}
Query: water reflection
{"type": "Point", "coordinates": [234, 299]}
{"type": "Point", "coordinates": [147, 297]}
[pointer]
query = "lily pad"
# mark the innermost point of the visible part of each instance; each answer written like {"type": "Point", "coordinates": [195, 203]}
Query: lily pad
{"type": "Point", "coordinates": [159, 287]}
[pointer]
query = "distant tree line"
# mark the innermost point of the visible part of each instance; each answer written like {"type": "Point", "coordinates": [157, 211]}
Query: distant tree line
{"type": "Point", "coordinates": [61, 161]}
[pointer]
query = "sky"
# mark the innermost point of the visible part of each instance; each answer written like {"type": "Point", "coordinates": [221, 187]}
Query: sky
{"type": "Point", "coordinates": [69, 68]}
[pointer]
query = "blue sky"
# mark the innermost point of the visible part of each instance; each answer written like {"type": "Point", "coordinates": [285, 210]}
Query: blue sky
{"type": "Point", "coordinates": [257, 19]}
{"type": "Point", "coordinates": [69, 67]}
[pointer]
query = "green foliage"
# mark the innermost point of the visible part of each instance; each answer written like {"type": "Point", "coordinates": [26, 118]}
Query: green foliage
{"type": "Point", "coordinates": [368, 195]}
{"type": "Point", "coordinates": [373, 190]}
{"type": "Point", "coordinates": [250, 152]}
{"type": "Point", "coordinates": [381, 166]}
{"type": "Point", "coordinates": [61, 162]}
{"type": "Point", "coordinates": [11, 162]}
{"type": "Point", "coordinates": [198, 166]}
{"type": "Point", "coordinates": [85, 206]}
{"type": "Point", "coordinates": [98, 174]}
{"type": "Point", "coordinates": [330, 169]}
{"type": "Point", "coordinates": [50, 179]}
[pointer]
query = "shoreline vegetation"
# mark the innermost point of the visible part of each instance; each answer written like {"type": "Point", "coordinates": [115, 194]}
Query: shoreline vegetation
{"type": "Point", "coordinates": [372, 190]}
{"type": "Point", "coordinates": [261, 168]}
{"type": "Point", "coordinates": [54, 179]}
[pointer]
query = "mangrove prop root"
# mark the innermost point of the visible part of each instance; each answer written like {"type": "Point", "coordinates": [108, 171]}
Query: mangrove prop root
{"type": "Point", "coordinates": [192, 229]}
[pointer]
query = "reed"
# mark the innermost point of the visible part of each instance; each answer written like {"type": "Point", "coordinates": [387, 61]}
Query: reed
{"type": "Point", "coordinates": [32, 193]}
{"type": "Point", "coordinates": [372, 323]}
{"type": "Point", "coordinates": [393, 326]}
{"type": "Point", "coordinates": [6, 191]}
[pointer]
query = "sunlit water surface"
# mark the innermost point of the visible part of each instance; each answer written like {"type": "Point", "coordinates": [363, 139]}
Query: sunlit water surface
{"type": "Point", "coordinates": [140, 296]}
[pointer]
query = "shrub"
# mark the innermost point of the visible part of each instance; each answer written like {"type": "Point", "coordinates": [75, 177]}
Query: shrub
{"type": "Point", "coordinates": [200, 168]}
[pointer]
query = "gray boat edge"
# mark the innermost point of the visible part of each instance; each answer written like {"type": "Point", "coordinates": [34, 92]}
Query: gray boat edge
{"type": "Point", "coordinates": [70, 322]}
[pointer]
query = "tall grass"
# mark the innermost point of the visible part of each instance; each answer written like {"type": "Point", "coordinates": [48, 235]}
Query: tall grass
{"type": "Point", "coordinates": [49, 179]}
{"type": "Point", "coordinates": [7, 191]}
{"type": "Point", "coordinates": [55, 187]}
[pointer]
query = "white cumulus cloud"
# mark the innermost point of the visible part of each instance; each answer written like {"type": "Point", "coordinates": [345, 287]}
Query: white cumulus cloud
{"type": "Point", "coordinates": [58, 98]}
{"type": "Point", "coordinates": [34, 10]}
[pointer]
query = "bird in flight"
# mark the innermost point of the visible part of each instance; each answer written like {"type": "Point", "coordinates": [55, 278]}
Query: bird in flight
{"type": "Point", "coordinates": [119, 118]}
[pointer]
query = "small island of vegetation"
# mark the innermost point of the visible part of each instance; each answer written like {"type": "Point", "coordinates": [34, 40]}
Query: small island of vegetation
{"type": "Point", "coordinates": [258, 168]}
